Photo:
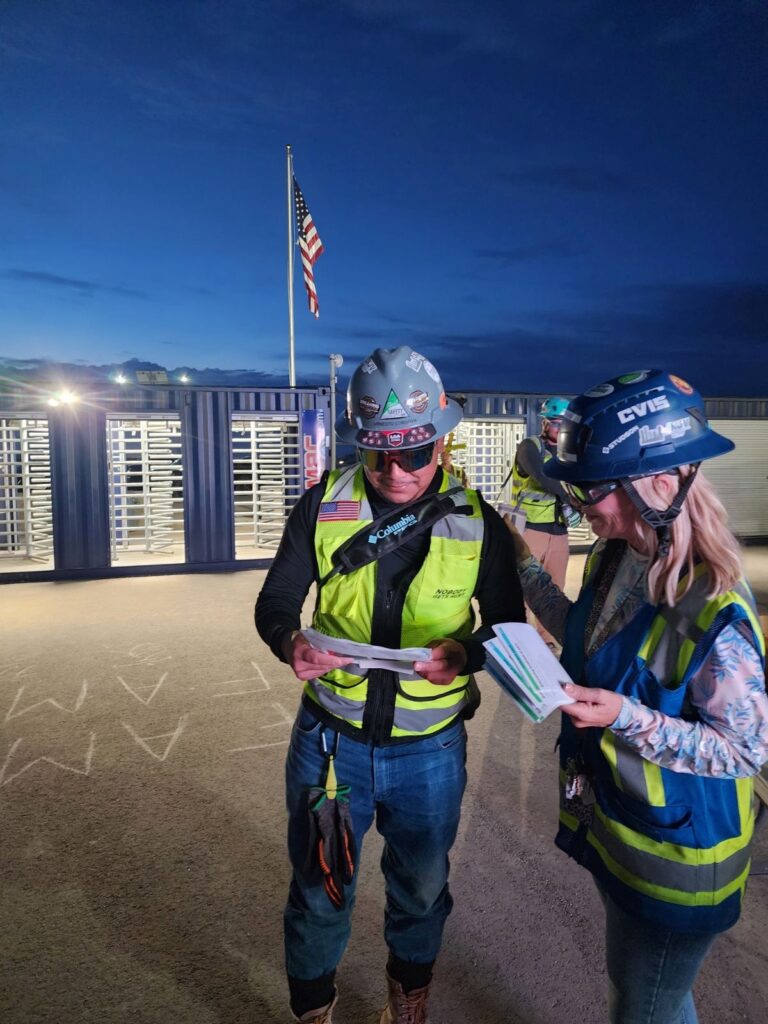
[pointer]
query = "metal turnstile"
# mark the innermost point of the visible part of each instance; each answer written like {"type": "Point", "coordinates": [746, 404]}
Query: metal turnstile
{"type": "Point", "coordinates": [146, 500]}
{"type": "Point", "coordinates": [26, 510]}
{"type": "Point", "coordinates": [489, 454]}
{"type": "Point", "coordinates": [266, 469]}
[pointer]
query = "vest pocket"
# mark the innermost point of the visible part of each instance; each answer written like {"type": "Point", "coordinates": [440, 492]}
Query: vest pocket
{"type": "Point", "coordinates": [672, 823]}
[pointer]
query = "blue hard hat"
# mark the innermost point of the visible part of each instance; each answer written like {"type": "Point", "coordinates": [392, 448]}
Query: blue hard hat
{"type": "Point", "coordinates": [634, 425]}
{"type": "Point", "coordinates": [553, 408]}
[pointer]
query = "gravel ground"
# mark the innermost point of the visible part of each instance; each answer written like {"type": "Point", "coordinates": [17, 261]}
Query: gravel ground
{"type": "Point", "coordinates": [143, 736]}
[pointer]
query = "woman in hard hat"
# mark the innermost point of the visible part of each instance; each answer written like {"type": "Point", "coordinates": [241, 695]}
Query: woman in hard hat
{"type": "Point", "coordinates": [670, 715]}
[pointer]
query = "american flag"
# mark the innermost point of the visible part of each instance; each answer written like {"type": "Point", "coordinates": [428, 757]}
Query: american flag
{"type": "Point", "coordinates": [338, 511]}
{"type": "Point", "coordinates": [310, 245]}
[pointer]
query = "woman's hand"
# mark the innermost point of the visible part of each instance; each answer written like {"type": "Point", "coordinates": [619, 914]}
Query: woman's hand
{"type": "Point", "coordinates": [593, 707]}
{"type": "Point", "coordinates": [522, 551]}
{"type": "Point", "coordinates": [306, 661]}
{"type": "Point", "coordinates": [447, 661]}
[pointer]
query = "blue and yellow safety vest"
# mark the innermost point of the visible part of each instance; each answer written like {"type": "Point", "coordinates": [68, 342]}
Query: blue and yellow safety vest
{"type": "Point", "coordinates": [669, 846]}
{"type": "Point", "coordinates": [437, 605]}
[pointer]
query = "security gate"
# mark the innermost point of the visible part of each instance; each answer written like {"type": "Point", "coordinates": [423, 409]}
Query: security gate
{"type": "Point", "coordinates": [145, 487]}
{"type": "Point", "coordinates": [267, 479]}
{"type": "Point", "coordinates": [489, 454]}
{"type": "Point", "coordinates": [26, 513]}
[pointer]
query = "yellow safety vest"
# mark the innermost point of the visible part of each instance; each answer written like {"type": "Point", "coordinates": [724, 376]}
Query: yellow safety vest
{"type": "Point", "coordinates": [437, 605]}
{"type": "Point", "coordinates": [539, 506]}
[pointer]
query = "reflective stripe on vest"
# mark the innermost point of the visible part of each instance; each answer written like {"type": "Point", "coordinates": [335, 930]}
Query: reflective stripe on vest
{"type": "Point", "coordinates": [688, 853]}
{"type": "Point", "coordinates": [539, 506]}
{"type": "Point", "coordinates": [437, 604]}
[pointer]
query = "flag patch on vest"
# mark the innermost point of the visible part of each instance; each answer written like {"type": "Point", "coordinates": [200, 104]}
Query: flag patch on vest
{"type": "Point", "coordinates": [338, 511]}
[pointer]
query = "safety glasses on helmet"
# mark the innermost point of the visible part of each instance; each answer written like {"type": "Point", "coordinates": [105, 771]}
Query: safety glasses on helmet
{"type": "Point", "coordinates": [409, 459]}
{"type": "Point", "coordinates": [583, 495]}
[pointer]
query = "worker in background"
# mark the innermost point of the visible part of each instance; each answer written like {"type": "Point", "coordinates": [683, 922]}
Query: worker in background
{"type": "Point", "coordinates": [398, 550]}
{"type": "Point", "coordinates": [542, 500]}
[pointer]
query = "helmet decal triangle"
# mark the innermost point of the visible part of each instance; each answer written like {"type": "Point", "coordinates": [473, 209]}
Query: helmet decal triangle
{"type": "Point", "coordinates": [393, 408]}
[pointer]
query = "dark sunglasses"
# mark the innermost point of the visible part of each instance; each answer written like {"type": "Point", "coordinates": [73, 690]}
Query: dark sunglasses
{"type": "Point", "coordinates": [409, 460]}
{"type": "Point", "coordinates": [583, 495]}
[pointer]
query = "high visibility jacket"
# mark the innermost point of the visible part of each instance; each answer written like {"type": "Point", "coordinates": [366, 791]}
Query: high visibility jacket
{"type": "Point", "coordinates": [539, 506]}
{"type": "Point", "coordinates": [670, 847]}
{"type": "Point", "coordinates": [437, 605]}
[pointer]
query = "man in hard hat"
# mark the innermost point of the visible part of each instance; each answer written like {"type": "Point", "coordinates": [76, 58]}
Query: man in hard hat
{"type": "Point", "coordinates": [398, 549]}
{"type": "Point", "coordinates": [543, 501]}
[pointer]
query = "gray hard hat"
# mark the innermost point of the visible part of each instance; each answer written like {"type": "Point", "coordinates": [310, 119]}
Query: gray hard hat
{"type": "Point", "coordinates": [395, 399]}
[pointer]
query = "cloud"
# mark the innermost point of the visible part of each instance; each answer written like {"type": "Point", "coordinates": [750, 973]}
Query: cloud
{"type": "Point", "coordinates": [524, 253]}
{"type": "Point", "coordinates": [569, 178]}
{"type": "Point", "coordinates": [75, 284]}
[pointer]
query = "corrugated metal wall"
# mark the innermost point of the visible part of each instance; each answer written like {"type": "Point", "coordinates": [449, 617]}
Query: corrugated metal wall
{"type": "Point", "coordinates": [80, 478]}
{"type": "Point", "coordinates": [80, 475]}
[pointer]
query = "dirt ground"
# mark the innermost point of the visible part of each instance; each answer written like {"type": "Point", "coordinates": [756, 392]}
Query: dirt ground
{"type": "Point", "coordinates": [144, 728]}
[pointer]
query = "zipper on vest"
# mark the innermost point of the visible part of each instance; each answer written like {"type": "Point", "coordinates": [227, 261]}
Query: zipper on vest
{"type": "Point", "coordinates": [380, 705]}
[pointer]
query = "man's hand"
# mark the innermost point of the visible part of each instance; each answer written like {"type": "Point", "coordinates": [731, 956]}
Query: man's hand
{"type": "Point", "coordinates": [522, 551]}
{"type": "Point", "coordinates": [447, 661]}
{"type": "Point", "coordinates": [593, 707]}
{"type": "Point", "coordinates": [306, 661]}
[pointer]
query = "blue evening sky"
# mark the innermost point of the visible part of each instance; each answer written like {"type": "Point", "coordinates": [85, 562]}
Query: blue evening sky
{"type": "Point", "coordinates": [537, 194]}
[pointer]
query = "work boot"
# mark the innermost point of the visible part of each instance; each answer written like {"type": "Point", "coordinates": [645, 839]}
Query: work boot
{"type": "Point", "coordinates": [405, 1007]}
{"type": "Point", "coordinates": [321, 1016]}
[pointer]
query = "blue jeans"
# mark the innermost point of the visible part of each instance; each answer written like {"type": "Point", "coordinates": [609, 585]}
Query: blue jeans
{"type": "Point", "coordinates": [414, 792]}
{"type": "Point", "coordinates": [651, 970]}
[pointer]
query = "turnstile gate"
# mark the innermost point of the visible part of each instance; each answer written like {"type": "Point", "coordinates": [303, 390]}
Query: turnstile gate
{"type": "Point", "coordinates": [266, 469]}
{"type": "Point", "coordinates": [145, 486]}
{"type": "Point", "coordinates": [26, 512]}
{"type": "Point", "coordinates": [488, 455]}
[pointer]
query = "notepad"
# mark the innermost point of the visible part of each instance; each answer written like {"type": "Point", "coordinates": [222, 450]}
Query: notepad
{"type": "Point", "coordinates": [526, 669]}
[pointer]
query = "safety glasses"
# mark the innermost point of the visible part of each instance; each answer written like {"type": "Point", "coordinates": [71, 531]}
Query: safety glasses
{"type": "Point", "coordinates": [583, 495]}
{"type": "Point", "coordinates": [409, 460]}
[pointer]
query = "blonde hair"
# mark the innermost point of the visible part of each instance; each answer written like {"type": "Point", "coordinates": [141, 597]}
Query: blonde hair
{"type": "Point", "coordinates": [700, 533]}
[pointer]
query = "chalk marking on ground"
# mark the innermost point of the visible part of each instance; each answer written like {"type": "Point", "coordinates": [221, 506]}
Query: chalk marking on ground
{"type": "Point", "coordinates": [13, 713]}
{"type": "Point", "coordinates": [154, 689]}
{"type": "Point", "coordinates": [142, 654]}
{"type": "Point", "coordinates": [86, 770]}
{"type": "Point", "coordinates": [248, 679]}
{"type": "Point", "coordinates": [284, 719]}
{"type": "Point", "coordinates": [258, 746]}
{"type": "Point", "coordinates": [143, 740]}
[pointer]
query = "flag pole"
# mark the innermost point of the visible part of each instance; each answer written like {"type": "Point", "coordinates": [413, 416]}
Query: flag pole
{"type": "Point", "coordinates": [291, 339]}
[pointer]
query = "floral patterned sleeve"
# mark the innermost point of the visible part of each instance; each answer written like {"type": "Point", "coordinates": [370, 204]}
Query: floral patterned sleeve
{"type": "Point", "coordinates": [545, 599]}
{"type": "Point", "coordinates": [731, 738]}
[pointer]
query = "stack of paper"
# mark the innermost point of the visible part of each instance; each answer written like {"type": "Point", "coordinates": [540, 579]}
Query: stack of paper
{"type": "Point", "coordinates": [526, 669]}
{"type": "Point", "coordinates": [369, 656]}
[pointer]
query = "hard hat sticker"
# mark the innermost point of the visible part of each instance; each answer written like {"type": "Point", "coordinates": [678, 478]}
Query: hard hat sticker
{"type": "Point", "coordinates": [369, 366]}
{"type": "Point", "coordinates": [599, 391]}
{"type": "Point", "coordinates": [634, 378]}
{"type": "Point", "coordinates": [432, 371]}
{"type": "Point", "coordinates": [681, 385]}
{"type": "Point", "coordinates": [393, 408]}
{"type": "Point", "coordinates": [368, 406]}
{"type": "Point", "coordinates": [417, 401]}
{"type": "Point", "coordinates": [414, 362]}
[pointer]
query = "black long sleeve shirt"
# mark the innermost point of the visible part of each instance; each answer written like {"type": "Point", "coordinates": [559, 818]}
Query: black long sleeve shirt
{"type": "Point", "coordinates": [530, 460]}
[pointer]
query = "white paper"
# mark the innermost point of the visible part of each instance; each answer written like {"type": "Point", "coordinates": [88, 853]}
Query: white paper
{"type": "Point", "coordinates": [526, 669]}
{"type": "Point", "coordinates": [369, 656]}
